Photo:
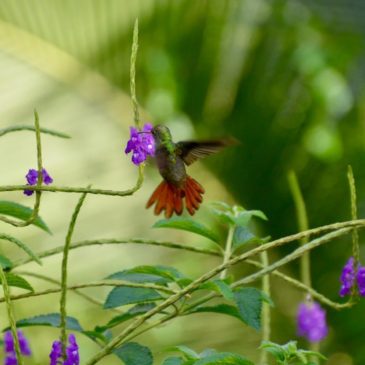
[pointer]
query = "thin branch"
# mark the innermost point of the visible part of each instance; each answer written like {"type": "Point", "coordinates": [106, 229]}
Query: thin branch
{"type": "Point", "coordinates": [64, 271]}
{"type": "Point", "coordinates": [115, 241]}
{"type": "Point", "coordinates": [19, 128]}
{"type": "Point", "coordinates": [114, 283]}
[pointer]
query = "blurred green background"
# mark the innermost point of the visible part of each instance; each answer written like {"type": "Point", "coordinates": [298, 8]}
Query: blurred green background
{"type": "Point", "coordinates": [285, 77]}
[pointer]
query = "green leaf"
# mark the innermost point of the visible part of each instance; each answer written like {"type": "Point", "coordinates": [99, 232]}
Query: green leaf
{"type": "Point", "coordinates": [249, 304]}
{"type": "Point", "coordinates": [53, 320]}
{"type": "Point", "coordinates": [220, 287]}
{"type": "Point", "coordinates": [131, 313]}
{"type": "Point", "coordinates": [133, 353]}
{"type": "Point", "coordinates": [17, 281]}
{"type": "Point", "coordinates": [243, 218]}
{"type": "Point", "coordinates": [5, 262]}
{"type": "Point", "coordinates": [173, 361]}
{"type": "Point", "coordinates": [187, 224]}
{"type": "Point", "coordinates": [97, 335]}
{"type": "Point", "coordinates": [123, 295]}
{"type": "Point", "coordinates": [274, 349]}
{"type": "Point", "coordinates": [227, 309]}
{"type": "Point", "coordinates": [224, 358]}
{"type": "Point", "coordinates": [188, 353]}
{"type": "Point", "coordinates": [21, 245]}
{"type": "Point", "coordinates": [21, 212]}
{"type": "Point", "coordinates": [243, 236]}
{"type": "Point", "coordinates": [149, 274]}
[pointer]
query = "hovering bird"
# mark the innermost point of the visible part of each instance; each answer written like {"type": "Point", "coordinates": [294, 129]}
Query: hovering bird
{"type": "Point", "coordinates": [177, 185]}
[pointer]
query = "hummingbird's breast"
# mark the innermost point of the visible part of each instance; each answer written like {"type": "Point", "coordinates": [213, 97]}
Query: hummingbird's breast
{"type": "Point", "coordinates": [171, 166]}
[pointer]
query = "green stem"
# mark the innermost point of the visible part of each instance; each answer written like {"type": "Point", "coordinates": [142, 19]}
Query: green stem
{"type": "Point", "coordinates": [133, 74]}
{"type": "Point", "coordinates": [114, 283]}
{"type": "Point", "coordinates": [37, 202]}
{"type": "Point", "coordinates": [355, 234]}
{"type": "Point", "coordinates": [228, 249]}
{"type": "Point", "coordinates": [32, 129]}
{"type": "Point", "coordinates": [266, 319]}
{"type": "Point", "coordinates": [64, 271]}
{"type": "Point", "coordinates": [116, 241]}
{"type": "Point", "coordinates": [301, 213]}
{"type": "Point", "coordinates": [11, 317]}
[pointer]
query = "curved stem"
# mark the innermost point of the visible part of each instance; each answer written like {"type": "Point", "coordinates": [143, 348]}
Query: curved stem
{"type": "Point", "coordinates": [114, 241]}
{"type": "Point", "coordinates": [32, 129]}
{"type": "Point", "coordinates": [37, 202]}
{"type": "Point", "coordinates": [114, 283]}
{"type": "Point", "coordinates": [228, 249]}
{"type": "Point", "coordinates": [11, 318]}
{"type": "Point", "coordinates": [64, 271]}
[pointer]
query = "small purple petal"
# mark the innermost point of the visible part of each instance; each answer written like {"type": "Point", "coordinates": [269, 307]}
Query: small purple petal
{"type": "Point", "coordinates": [46, 178]}
{"type": "Point", "coordinates": [311, 322]}
{"type": "Point", "coordinates": [23, 344]}
{"type": "Point", "coordinates": [56, 352]}
{"type": "Point", "coordinates": [347, 277]}
{"type": "Point", "coordinates": [8, 342]}
{"type": "Point", "coordinates": [10, 359]}
{"type": "Point", "coordinates": [32, 177]}
{"type": "Point", "coordinates": [28, 192]}
{"type": "Point", "coordinates": [72, 351]}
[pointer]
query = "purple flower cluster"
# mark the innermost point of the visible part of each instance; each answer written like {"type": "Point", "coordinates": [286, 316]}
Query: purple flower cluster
{"type": "Point", "coordinates": [141, 144]}
{"type": "Point", "coordinates": [32, 179]}
{"type": "Point", "coordinates": [9, 347]}
{"type": "Point", "coordinates": [72, 352]}
{"type": "Point", "coordinates": [350, 277]}
{"type": "Point", "coordinates": [311, 321]}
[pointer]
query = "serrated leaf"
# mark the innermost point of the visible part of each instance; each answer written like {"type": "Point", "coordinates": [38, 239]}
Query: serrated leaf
{"type": "Point", "coordinates": [249, 304]}
{"type": "Point", "coordinates": [131, 313]}
{"type": "Point", "coordinates": [227, 309]}
{"type": "Point", "coordinates": [220, 287]}
{"type": "Point", "coordinates": [149, 274]}
{"type": "Point", "coordinates": [52, 319]}
{"type": "Point", "coordinates": [188, 353]}
{"type": "Point", "coordinates": [21, 212]}
{"type": "Point", "coordinates": [5, 262]}
{"type": "Point", "coordinates": [21, 245]}
{"type": "Point", "coordinates": [133, 353]}
{"type": "Point", "coordinates": [17, 281]}
{"type": "Point", "coordinates": [124, 295]}
{"type": "Point", "coordinates": [173, 361]}
{"type": "Point", "coordinates": [187, 224]}
{"type": "Point", "coordinates": [224, 358]}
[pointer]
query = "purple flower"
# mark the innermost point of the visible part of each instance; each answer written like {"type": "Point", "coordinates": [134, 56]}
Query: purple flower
{"type": "Point", "coordinates": [141, 144]}
{"type": "Point", "coordinates": [361, 280]}
{"type": "Point", "coordinates": [347, 277]}
{"type": "Point", "coordinates": [72, 352]}
{"type": "Point", "coordinates": [32, 179]}
{"type": "Point", "coordinates": [311, 321]}
{"type": "Point", "coordinates": [56, 352]}
{"type": "Point", "coordinates": [9, 347]}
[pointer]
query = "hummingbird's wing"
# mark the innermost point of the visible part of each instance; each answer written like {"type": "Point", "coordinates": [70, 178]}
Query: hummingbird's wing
{"type": "Point", "coordinates": [190, 151]}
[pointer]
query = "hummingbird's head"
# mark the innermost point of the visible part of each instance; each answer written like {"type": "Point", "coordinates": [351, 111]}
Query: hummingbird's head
{"type": "Point", "coordinates": [161, 133]}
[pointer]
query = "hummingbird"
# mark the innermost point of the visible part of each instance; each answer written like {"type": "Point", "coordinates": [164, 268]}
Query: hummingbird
{"type": "Point", "coordinates": [172, 159]}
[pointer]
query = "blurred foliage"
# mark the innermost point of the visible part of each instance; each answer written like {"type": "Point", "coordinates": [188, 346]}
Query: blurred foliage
{"type": "Point", "coordinates": [285, 77]}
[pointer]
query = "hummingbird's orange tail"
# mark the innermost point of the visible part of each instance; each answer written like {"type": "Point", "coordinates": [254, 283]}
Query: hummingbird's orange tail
{"type": "Point", "coordinates": [170, 198]}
